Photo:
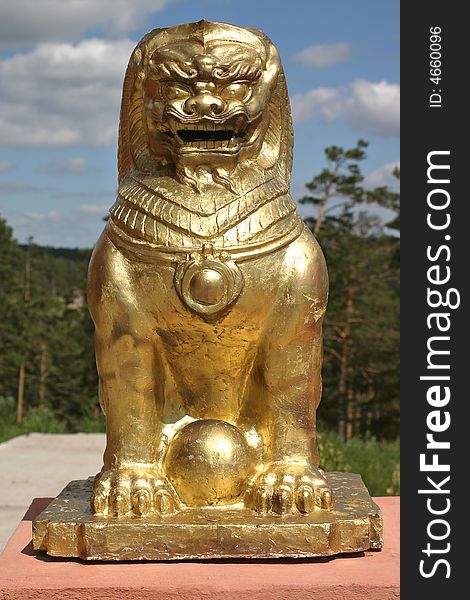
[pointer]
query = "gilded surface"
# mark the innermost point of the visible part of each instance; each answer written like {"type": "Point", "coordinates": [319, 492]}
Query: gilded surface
{"type": "Point", "coordinates": [67, 528]}
{"type": "Point", "coordinates": [208, 295]}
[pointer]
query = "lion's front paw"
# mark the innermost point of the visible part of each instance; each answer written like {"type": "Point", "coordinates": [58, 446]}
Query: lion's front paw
{"type": "Point", "coordinates": [284, 487]}
{"type": "Point", "coordinates": [138, 490]}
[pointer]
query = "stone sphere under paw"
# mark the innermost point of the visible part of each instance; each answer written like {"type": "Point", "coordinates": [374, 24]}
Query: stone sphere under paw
{"type": "Point", "coordinates": [209, 462]}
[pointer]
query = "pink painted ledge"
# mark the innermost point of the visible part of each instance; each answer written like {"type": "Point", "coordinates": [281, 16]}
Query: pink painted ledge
{"type": "Point", "coordinates": [25, 574]}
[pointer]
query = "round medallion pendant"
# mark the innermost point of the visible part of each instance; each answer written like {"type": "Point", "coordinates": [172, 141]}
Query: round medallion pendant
{"type": "Point", "coordinates": [209, 285]}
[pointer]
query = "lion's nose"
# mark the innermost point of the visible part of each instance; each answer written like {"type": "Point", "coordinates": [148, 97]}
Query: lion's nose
{"type": "Point", "coordinates": [204, 105]}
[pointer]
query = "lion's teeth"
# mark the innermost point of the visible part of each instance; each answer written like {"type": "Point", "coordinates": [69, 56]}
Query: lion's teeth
{"type": "Point", "coordinates": [238, 124]}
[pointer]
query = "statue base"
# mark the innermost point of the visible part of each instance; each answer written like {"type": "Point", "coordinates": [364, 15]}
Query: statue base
{"type": "Point", "coordinates": [66, 528]}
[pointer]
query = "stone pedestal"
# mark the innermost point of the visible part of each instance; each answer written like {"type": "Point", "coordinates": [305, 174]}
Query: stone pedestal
{"type": "Point", "coordinates": [26, 574]}
{"type": "Point", "coordinates": [68, 529]}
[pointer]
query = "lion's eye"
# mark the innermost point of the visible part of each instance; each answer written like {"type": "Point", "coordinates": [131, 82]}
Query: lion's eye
{"type": "Point", "coordinates": [235, 91]}
{"type": "Point", "coordinates": [174, 91]}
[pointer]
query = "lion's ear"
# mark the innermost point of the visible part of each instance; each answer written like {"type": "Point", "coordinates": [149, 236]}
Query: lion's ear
{"type": "Point", "coordinates": [137, 56]}
{"type": "Point", "coordinates": [273, 64]}
{"type": "Point", "coordinates": [146, 47]}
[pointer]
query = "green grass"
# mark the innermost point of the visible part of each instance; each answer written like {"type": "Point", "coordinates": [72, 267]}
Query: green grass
{"type": "Point", "coordinates": [43, 421]}
{"type": "Point", "coordinates": [377, 461]}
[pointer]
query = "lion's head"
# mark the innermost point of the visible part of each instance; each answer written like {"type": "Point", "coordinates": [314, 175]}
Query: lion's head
{"type": "Point", "coordinates": [204, 98]}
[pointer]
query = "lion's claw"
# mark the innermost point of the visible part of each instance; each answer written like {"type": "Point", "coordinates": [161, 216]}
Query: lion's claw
{"type": "Point", "coordinates": [305, 500]}
{"type": "Point", "coordinates": [134, 490]}
{"type": "Point", "coordinates": [285, 488]}
{"type": "Point", "coordinates": [263, 497]}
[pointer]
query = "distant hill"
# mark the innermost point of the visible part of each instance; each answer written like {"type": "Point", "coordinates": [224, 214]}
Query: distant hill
{"type": "Point", "coordinates": [78, 254]}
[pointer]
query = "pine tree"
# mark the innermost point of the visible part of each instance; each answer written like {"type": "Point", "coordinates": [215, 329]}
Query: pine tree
{"type": "Point", "coordinates": [10, 307]}
{"type": "Point", "coordinates": [361, 377]}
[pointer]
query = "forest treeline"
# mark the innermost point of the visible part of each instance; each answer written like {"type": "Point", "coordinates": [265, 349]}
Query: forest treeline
{"type": "Point", "coordinates": [47, 369]}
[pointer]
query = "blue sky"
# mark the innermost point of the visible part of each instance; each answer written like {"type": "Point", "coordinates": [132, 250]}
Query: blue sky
{"type": "Point", "coordinates": [61, 69]}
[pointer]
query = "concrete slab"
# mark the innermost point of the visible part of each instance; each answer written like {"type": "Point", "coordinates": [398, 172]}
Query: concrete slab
{"type": "Point", "coordinates": [42, 464]}
{"type": "Point", "coordinates": [27, 575]}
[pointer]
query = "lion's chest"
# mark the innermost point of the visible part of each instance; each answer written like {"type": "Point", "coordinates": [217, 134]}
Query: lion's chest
{"type": "Point", "coordinates": [210, 356]}
{"type": "Point", "coordinates": [214, 318]}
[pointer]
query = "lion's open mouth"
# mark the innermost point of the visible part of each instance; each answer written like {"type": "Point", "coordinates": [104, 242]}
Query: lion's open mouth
{"type": "Point", "coordinates": [202, 135]}
{"type": "Point", "coordinates": [216, 139]}
{"type": "Point", "coordinates": [206, 136]}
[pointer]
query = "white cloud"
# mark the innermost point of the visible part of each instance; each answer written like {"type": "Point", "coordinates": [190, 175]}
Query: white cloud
{"type": "Point", "coordinates": [374, 107]}
{"type": "Point", "coordinates": [323, 55]}
{"type": "Point", "coordinates": [327, 103]}
{"type": "Point", "coordinates": [367, 106]}
{"type": "Point", "coordinates": [85, 195]}
{"type": "Point", "coordinates": [5, 165]}
{"type": "Point", "coordinates": [63, 94]}
{"type": "Point", "coordinates": [383, 176]}
{"type": "Point", "coordinates": [75, 165]}
{"type": "Point", "coordinates": [94, 209]}
{"type": "Point", "coordinates": [28, 22]}
{"type": "Point", "coordinates": [19, 187]}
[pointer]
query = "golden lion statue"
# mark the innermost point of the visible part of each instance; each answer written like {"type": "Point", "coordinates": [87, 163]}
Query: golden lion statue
{"type": "Point", "coordinates": [206, 289]}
